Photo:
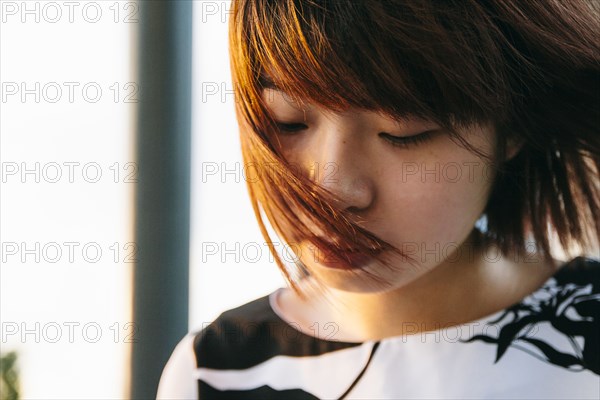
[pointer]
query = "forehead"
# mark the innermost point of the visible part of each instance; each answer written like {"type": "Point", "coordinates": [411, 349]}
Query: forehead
{"type": "Point", "coordinates": [277, 97]}
{"type": "Point", "coordinates": [280, 105]}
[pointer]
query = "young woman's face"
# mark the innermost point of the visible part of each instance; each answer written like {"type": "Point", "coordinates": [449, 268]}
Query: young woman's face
{"type": "Point", "coordinates": [409, 184]}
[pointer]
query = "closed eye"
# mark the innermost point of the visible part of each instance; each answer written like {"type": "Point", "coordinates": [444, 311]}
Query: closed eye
{"type": "Point", "coordinates": [408, 141]}
{"type": "Point", "coordinates": [290, 128]}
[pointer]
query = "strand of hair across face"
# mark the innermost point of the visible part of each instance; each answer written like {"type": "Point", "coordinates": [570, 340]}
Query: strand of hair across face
{"type": "Point", "coordinates": [373, 349]}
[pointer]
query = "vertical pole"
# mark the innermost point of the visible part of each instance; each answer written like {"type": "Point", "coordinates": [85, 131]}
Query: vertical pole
{"type": "Point", "coordinates": [160, 299]}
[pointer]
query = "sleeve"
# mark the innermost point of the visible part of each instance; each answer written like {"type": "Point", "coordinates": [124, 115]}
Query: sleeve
{"type": "Point", "coordinates": [177, 379]}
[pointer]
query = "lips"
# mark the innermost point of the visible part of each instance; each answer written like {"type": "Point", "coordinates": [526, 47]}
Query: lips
{"type": "Point", "coordinates": [346, 259]}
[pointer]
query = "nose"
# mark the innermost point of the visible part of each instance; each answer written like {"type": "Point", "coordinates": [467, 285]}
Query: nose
{"type": "Point", "coordinates": [341, 166]}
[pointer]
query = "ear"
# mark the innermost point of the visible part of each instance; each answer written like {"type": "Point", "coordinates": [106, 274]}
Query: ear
{"type": "Point", "coordinates": [513, 147]}
{"type": "Point", "coordinates": [514, 143]}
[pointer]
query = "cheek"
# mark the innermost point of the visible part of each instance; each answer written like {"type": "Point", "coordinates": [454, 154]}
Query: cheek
{"type": "Point", "coordinates": [436, 200]}
{"type": "Point", "coordinates": [295, 151]}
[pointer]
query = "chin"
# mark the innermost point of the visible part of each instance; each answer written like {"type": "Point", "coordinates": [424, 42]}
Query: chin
{"type": "Point", "coordinates": [369, 279]}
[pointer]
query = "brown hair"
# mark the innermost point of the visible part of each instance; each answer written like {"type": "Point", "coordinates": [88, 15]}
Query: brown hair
{"type": "Point", "coordinates": [530, 68]}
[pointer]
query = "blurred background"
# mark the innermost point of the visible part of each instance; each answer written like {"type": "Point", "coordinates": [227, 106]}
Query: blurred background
{"type": "Point", "coordinates": [69, 152]}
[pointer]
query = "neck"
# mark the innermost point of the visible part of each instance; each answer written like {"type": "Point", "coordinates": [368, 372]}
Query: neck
{"type": "Point", "coordinates": [452, 293]}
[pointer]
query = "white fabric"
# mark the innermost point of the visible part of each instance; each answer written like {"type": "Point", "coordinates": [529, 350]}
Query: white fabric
{"type": "Point", "coordinates": [177, 380]}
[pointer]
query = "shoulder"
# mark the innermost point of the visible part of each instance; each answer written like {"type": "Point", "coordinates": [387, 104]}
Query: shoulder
{"type": "Point", "coordinates": [212, 346]}
{"type": "Point", "coordinates": [252, 333]}
{"type": "Point", "coordinates": [580, 271]}
{"type": "Point", "coordinates": [238, 340]}
{"type": "Point", "coordinates": [219, 345]}
{"type": "Point", "coordinates": [558, 324]}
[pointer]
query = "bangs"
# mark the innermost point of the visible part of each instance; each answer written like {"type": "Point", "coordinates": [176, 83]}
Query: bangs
{"type": "Point", "coordinates": [341, 54]}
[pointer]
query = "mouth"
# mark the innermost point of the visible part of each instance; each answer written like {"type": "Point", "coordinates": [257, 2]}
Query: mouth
{"type": "Point", "coordinates": [348, 258]}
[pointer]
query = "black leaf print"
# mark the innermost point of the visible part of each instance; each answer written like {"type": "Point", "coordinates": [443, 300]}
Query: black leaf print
{"type": "Point", "coordinates": [570, 303]}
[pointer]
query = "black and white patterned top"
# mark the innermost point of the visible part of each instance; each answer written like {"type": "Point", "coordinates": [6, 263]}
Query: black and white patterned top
{"type": "Point", "coordinates": [545, 347]}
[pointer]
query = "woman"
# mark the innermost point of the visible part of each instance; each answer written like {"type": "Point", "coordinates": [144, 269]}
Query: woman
{"type": "Point", "coordinates": [430, 159]}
